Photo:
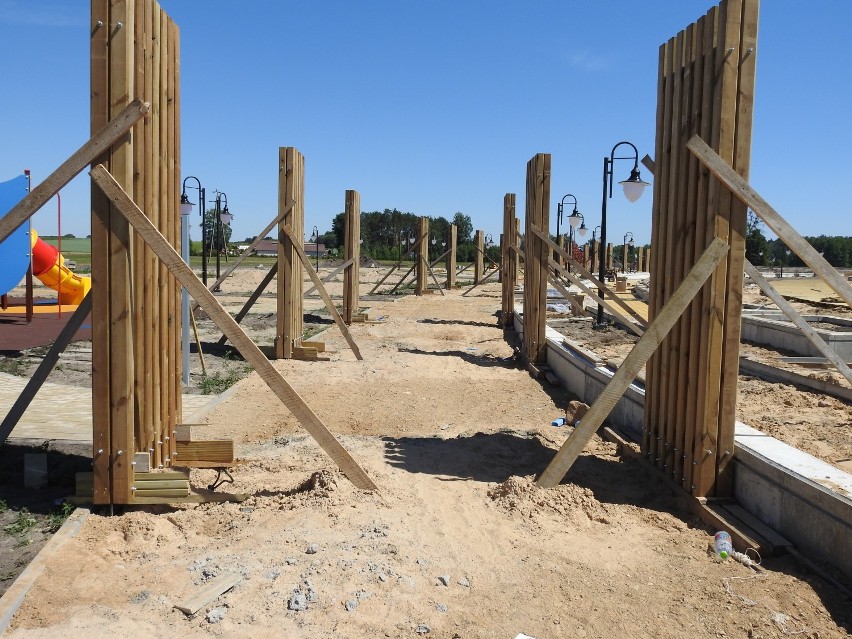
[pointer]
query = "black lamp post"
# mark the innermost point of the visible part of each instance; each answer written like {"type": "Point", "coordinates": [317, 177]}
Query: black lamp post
{"type": "Point", "coordinates": [186, 209]}
{"type": "Point", "coordinates": [222, 216]}
{"type": "Point", "coordinates": [315, 240]}
{"type": "Point", "coordinates": [624, 246]}
{"type": "Point", "coordinates": [633, 187]}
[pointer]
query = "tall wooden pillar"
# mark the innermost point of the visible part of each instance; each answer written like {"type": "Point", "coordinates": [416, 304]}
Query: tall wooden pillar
{"type": "Point", "coordinates": [609, 255]}
{"type": "Point", "coordinates": [536, 258]}
{"type": "Point", "coordinates": [509, 260]}
{"type": "Point", "coordinates": [351, 251]}
{"type": "Point", "coordinates": [422, 257]}
{"type": "Point", "coordinates": [291, 191]}
{"type": "Point", "coordinates": [479, 260]}
{"type": "Point", "coordinates": [452, 242]}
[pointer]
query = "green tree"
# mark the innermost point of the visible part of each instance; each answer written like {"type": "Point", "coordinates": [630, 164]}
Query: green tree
{"type": "Point", "coordinates": [464, 227]}
{"type": "Point", "coordinates": [756, 244]}
{"type": "Point", "coordinates": [209, 231]}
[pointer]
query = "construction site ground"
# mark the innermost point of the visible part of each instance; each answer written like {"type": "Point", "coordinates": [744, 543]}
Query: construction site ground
{"type": "Point", "coordinates": [457, 542]}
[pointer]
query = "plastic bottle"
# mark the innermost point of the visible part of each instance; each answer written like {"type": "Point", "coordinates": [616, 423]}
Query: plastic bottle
{"type": "Point", "coordinates": [558, 422]}
{"type": "Point", "coordinates": [722, 545]}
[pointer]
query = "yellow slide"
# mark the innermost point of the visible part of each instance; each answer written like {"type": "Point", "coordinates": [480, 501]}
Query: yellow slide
{"type": "Point", "coordinates": [49, 267]}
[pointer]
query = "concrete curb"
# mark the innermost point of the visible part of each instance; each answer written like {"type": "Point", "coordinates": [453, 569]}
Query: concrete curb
{"type": "Point", "coordinates": [17, 592]}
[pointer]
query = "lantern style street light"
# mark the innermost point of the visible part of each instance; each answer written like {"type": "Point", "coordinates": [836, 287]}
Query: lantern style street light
{"type": "Point", "coordinates": [633, 188]}
{"type": "Point", "coordinates": [186, 209]}
{"type": "Point", "coordinates": [559, 209]}
{"type": "Point", "coordinates": [223, 216]}
{"type": "Point", "coordinates": [315, 240]}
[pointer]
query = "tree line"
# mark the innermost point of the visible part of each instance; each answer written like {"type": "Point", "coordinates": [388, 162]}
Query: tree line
{"type": "Point", "coordinates": [836, 249]}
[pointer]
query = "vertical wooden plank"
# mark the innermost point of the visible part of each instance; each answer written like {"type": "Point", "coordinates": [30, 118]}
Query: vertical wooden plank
{"type": "Point", "coordinates": [121, 331]}
{"type": "Point", "coordinates": [290, 189]}
{"type": "Point", "coordinates": [745, 17]}
{"type": "Point", "coordinates": [535, 258]}
{"type": "Point", "coordinates": [174, 208]}
{"type": "Point", "coordinates": [510, 257]}
{"type": "Point", "coordinates": [161, 291]}
{"type": "Point", "coordinates": [422, 259]}
{"type": "Point", "coordinates": [99, 92]}
{"type": "Point", "coordinates": [452, 242]}
{"type": "Point", "coordinates": [351, 251]}
{"type": "Point", "coordinates": [479, 261]}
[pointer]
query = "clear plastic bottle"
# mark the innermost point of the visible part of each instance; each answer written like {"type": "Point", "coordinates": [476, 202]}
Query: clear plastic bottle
{"type": "Point", "coordinates": [722, 545]}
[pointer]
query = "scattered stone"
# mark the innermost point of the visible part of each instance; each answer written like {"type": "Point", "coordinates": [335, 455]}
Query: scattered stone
{"type": "Point", "coordinates": [441, 607]}
{"type": "Point", "coordinates": [351, 604]}
{"type": "Point", "coordinates": [312, 549]}
{"type": "Point", "coordinates": [310, 593]}
{"type": "Point", "coordinates": [291, 561]}
{"type": "Point", "coordinates": [216, 615]}
{"type": "Point", "coordinates": [464, 582]}
{"type": "Point", "coordinates": [298, 601]}
{"type": "Point", "coordinates": [422, 562]}
{"type": "Point", "coordinates": [362, 594]}
{"type": "Point", "coordinates": [383, 577]}
{"type": "Point", "coordinates": [272, 573]}
{"type": "Point", "coordinates": [444, 580]}
{"type": "Point", "coordinates": [406, 581]}
{"type": "Point", "coordinates": [823, 404]}
{"type": "Point", "coordinates": [140, 597]}
{"type": "Point", "coordinates": [422, 629]}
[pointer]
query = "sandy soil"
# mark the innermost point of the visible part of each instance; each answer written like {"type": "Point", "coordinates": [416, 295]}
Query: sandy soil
{"type": "Point", "coordinates": [458, 542]}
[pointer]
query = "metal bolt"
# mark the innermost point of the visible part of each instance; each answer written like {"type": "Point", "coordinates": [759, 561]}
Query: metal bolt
{"type": "Point", "coordinates": [99, 24]}
{"type": "Point", "coordinates": [100, 451]}
{"type": "Point", "coordinates": [119, 453]}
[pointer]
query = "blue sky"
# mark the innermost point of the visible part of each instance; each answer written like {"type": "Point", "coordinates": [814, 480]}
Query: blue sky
{"type": "Point", "coordinates": [434, 107]}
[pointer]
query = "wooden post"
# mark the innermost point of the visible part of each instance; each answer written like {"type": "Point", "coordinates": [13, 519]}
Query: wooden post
{"type": "Point", "coordinates": [509, 263]}
{"type": "Point", "coordinates": [479, 261]}
{"type": "Point", "coordinates": [351, 251]}
{"type": "Point", "coordinates": [291, 189]}
{"type": "Point", "coordinates": [631, 366]}
{"type": "Point", "coordinates": [535, 258]}
{"type": "Point", "coordinates": [452, 248]}
{"type": "Point", "coordinates": [422, 257]}
{"type": "Point", "coordinates": [609, 256]}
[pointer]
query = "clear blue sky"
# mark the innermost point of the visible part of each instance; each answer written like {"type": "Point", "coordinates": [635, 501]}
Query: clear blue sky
{"type": "Point", "coordinates": [434, 107]}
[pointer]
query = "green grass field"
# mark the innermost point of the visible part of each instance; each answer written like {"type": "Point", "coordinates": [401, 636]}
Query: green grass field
{"type": "Point", "coordinates": [77, 245]}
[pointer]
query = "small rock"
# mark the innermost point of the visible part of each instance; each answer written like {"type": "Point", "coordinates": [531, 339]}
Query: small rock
{"type": "Point", "coordinates": [351, 604]}
{"type": "Point", "coordinates": [291, 561]}
{"type": "Point", "coordinates": [441, 607]}
{"type": "Point", "coordinates": [142, 596]}
{"type": "Point", "coordinates": [298, 601]}
{"type": "Point", "coordinates": [272, 573]}
{"type": "Point", "coordinates": [422, 629]}
{"type": "Point", "coordinates": [383, 577]}
{"type": "Point", "coordinates": [216, 615]}
{"type": "Point", "coordinates": [823, 404]}
{"type": "Point", "coordinates": [422, 562]}
{"type": "Point", "coordinates": [444, 580]}
{"type": "Point", "coordinates": [464, 582]}
{"type": "Point", "coordinates": [312, 549]}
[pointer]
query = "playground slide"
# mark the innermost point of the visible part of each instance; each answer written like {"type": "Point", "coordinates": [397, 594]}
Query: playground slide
{"type": "Point", "coordinates": [49, 267]}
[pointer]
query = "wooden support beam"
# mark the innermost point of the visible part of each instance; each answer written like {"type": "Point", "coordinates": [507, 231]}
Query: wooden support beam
{"type": "Point", "coordinates": [742, 190]}
{"type": "Point", "coordinates": [323, 293]}
{"type": "Point", "coordinates": [589, 276]}
{"type": "Point", "coordinates": [631, 326]}
{"type": "Point", "coordinates": [632, 364]}
{"type": "Point", "coordinates": [273, 270]}
{"type": "Point", "coordinates": [331, 276]}
{"type": "Point", "coordinates": [208, 592]}
{"type": "Point", "coordinates": [218, 450]}
{"type": "Point", "coordinates": [45, 366]}
{"type": "Point", "coordinates": [252, 354]}
{"type": "Point", "coordinates": [215, 285]}
{"type": "Point", "coordinates": [797, 319]}
{"type": "Point", "coordinates": [99, 143]}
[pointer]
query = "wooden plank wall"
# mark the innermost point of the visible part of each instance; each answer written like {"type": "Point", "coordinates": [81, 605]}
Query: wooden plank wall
{"type": "Point", "coordinates": [291, 190]}
{"type": "Point", "coordinates": [705, 86]}
{"type": "Point", "coordinates": [509, 261]}
{"type": "Point", "coordinates": [351, 251]}
{"type": "Point", "coordinates": [136, 348]}
{"type": "Point", "coordinates": [452, 245]}
{"type": "Point", "coordinates": [536, 255]}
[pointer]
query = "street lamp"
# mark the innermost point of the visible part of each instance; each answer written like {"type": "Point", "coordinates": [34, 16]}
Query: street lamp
{"type": "Point", "coordinates": [560, 207]}
{"type": "Point", "coordinates": [633, 187]}
{"type": "Point", "coordinates": [624, 246]}
{"type": "Point", "coordinates": [186, 209]}
{"type": "Point", "coordinates": [315, 240]}
{"type": "Point", "coordinates": [576, 218]}
{"type": "Point", "coordinates": [223, 216]}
